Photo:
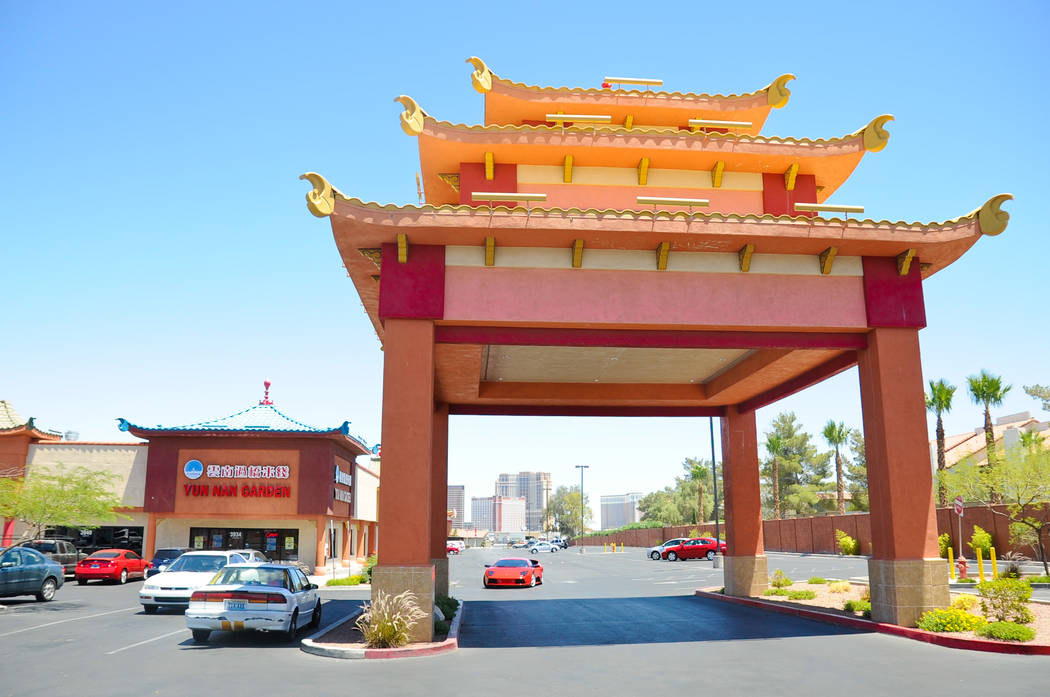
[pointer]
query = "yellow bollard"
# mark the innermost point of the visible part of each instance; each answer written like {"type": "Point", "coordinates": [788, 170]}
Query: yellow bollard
{"type": "Point", "coordinates": [951, 564]}
{"type": "Point", "coordinates": [980, 565]}
{"type": "Point", "coordinates": [995, 567]}
{"type": "Point", "coordinates": [605, 547]}
{"type": "Point", "coordinates": [621, 548]}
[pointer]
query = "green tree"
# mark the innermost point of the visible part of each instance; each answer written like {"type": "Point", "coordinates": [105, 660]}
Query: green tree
{"type": "Point", "coordinates": [698, 470]}
{"type": "Point", "coordinates": [1039, 392]}
{"type": "Point", "coordinates": [1021, 481]}
{"type": "Point", "coordinates": [44, 498]}
{"type": "Point", "coordinates": [802, 469]}
{"type": "Point", "coordinates": [775, 448]}
{"type": "Point", "coordinates": [836, 434]}
{"type": "Point", "coordinates": [939, 401]}
{"type": "Point", "coordinates": [563, 509]}
{"type": "Point", "coordinates": [988, 390]}
{"type": "Point", "coordinates": [659, 507]}
{"type": "Point", "coordinates": [857, 472]}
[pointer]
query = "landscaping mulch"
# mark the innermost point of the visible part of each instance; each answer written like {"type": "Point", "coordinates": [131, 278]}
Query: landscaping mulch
{"type": "Point", "coordinates": [347, 635]}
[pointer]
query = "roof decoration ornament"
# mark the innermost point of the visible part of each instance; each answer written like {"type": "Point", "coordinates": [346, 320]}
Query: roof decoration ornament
{"type": "Point", "coordinates": [266, 401]}
{"type": "Point", "coordinates": [321, 200]}
{"type": "Point", "coordinates": [481, 78]}
{"type": "Point", "coordinates": [991, 217]}
{"type": "Point", "coordinates": [875, 136]}
{"type": "Point", "coordinates": [412, 117]}
{"type": "Point", "coordinates": [777, 94]}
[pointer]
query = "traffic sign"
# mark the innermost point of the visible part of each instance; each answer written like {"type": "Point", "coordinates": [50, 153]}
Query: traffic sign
{"type": "Point", "coordinates": [959, 506]}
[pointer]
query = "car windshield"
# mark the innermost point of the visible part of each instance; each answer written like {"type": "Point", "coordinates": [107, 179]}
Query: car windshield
{"type": "Point", "coordinates": [203, 562]}
{"type": "Point", "coordinates": [167, 553]}
{"type": "Point", "coordinates": [43, 546]}
{"type": "Point", "coordinates": [104, 555]}
{"type": "Point", "coordinates": [251, 576]}
{"type": "Point", "coordinates": [512, 562]}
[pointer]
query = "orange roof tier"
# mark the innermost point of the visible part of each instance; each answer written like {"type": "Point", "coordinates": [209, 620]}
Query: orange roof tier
{"type": "Point", "coordinates": [514, 103]}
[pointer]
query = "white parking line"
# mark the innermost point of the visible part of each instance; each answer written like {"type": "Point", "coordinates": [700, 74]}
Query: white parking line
{"type": "Point", "coordinates": [140, 643]}
{"type": "Point", "coordinates": [71, 619]}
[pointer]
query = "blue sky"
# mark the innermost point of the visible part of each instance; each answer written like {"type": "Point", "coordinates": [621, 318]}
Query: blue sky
{"type": "Point", "coordinates": [158, 260]}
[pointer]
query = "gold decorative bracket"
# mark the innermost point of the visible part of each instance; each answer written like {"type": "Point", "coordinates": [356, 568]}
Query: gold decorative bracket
{"type": "Point", "coordinates": [490, 166]}
{"type": "Point", "coordinates": [643, 171]}
{"type": "Point", "coordinates": [567, 174]}
{"type": "Point", "coordinates": [452, 179]}
{"type": "Point", "coordinates": [991, 217]}
{"type": "Point", "coordinates": [744, 255]}
{"type": "Point", "coordinates": [373, 254]}
{"type": "Point", "coordinates": [827, 258]}
{"type": "Point", "coordinates": [904, 262]}
{"type": "Point", "coordinates": [716, 174]}
{"type": "Point", "coordinates": [789, 176]}
{"type": "Point", "coordinates": [321, 199]}
{"type": "Point", "coordinates": [662, 252]}
{"type": "Point", "coordinates": [628, 122]}
{"type": "Point", "coordinates": [577, 254]}
{"type": "Point", "coordinates": [402, 248]}
{"type": "Point", "coordinates": [777, 94]}
{"type": "Point", "coordinates": [412, 117]}
{"type": "Point", "coordinates": [481, 78]}
{"type": "Point", "coordinates": [490, 251]}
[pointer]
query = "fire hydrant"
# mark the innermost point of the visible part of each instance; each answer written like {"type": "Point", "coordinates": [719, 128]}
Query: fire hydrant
{"type": "Point", "coordinates": [960, 564]}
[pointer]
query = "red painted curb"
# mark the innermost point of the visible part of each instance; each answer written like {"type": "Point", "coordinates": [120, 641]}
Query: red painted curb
{"type": "Point", "coordinates": [884, 628]}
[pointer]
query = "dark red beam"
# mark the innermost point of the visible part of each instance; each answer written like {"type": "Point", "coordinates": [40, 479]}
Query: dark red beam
{"type": "Point", "coordinates": [797, 384]}
{"type": "Point", "coordinates": [538, 410]}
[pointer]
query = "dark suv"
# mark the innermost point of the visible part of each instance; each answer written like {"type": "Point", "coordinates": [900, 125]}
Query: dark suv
{"type": "Point", "coordinates": [60, 551]}
{"type": "Point", "coordinates": [162, 557]}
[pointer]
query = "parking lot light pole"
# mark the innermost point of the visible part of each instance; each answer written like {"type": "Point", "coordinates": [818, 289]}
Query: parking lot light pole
{"type": "Point", "coordinates": [581, 468]}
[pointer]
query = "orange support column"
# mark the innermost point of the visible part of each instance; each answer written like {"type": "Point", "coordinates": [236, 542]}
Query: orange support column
{"type": "Point", "coordinates": [359, 551]}
{"type": "Point", "coordinates": [149, 545]}
{"type": "Point", "coordinates": [407, 437]}
{"type": "Point", "coordinates": [344, 557]}
{"type": "Point", "coordinates": [322, 536]}
{"type": "Point", "coordinates": [906, 574]}
{"type": "Point", "coordinates": [746, 571]}
{"type": "Point", "coordinates": [439, 500]}
{"type": "Point", "coordinates": [373, 538]}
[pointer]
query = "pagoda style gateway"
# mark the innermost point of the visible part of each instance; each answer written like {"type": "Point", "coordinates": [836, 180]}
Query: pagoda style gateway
{"type": "Point", "coordinates": [631, 252]}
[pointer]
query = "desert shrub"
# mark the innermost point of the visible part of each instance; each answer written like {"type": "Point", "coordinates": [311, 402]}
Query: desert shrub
{"type": "Point", "coordinates": [695, 532]}
{"type": "Point", "coordinates": [816, 580]}
{"type": "Point", "coordinates": [840, 586]}
{"type": "Point", "coordinates": [1037, 579]}
{"type": "Point", "coordinates": [1006, 631]}
{"type": "Point", "coordinates": [867, 613]}
{"type": "Point", "coordinates": [866, 594]}
{"type": "Point", "coordinates": [980, 540]}
{"type": "Point", "coordinates": [1012, 570]}
{"type": "Point", "coordinates": [370, 564]}
{"type": "Point", "coordinates": [1006, 600]}
{"type": "Point", "coordinates": [801, 595]}
{"type": "Point", "coordinates": [945, 543]}
{"type": "Point", "coordinates": [780, 579]}
{"type": "Point", "coordinates": [846, 544]}
{"type": "Point", "coordinates": [965, 602]}
{"type": "Point", "coordinates": [776, 591]}
{"type": "Point", "coordinates": [857, 606]}
{"type": "Point", "coordinates": [441, 627]}
{"type": "Point", "coordinates": [447, 605]}
{"type": "Point", "coordinates": [949, 620]}
{"type": "Point", "coordinates": [387, 620]}
{"type": "Point", "coordinates": [354, 580]}
{"type": "Point", "coordinates": [968, 579]}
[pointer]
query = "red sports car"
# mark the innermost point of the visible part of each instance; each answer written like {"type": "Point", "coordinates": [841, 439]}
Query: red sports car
{"type": "Point", "coordinates": [111, 565]}
{"type": "Point", "coordinates": [514, 571]}
{"type": "Point", "coordinates": [694, 548]}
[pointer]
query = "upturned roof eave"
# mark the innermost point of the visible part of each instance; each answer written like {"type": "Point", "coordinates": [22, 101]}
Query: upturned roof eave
{"type": "Point", "coordinates": [339, 434]}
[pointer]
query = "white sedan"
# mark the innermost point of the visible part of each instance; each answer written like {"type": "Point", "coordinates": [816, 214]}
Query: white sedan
{"type": "Point", "coordinates": [543, 547]}
{"type": "Point", "coordinates": [173, 586]}
{"type": "Point", "coordinates": [270, 597]}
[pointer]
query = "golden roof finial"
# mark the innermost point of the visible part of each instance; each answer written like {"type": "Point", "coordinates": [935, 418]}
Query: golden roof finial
{"type": "Point", "coordinates": [777, 94]}
{"type": "Point", "coordinates": [481, 78]}
{"type": "Point", "coordinates": [875, 136]}
{"type": "Point", "coordinates": [412, 117]}
{"type": "Point", "coordinates": [321, 200]}
{"type": "Point", "coordinates": [991, 217]}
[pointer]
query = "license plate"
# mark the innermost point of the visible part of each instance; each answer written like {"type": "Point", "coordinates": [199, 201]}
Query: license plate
{"type": "Point", "coordinates": [94, 566]}
{"type": "Point", "coordinates": [235, 604]}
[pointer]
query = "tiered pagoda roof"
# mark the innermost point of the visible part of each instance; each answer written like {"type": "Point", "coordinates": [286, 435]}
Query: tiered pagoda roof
{"type": "Point", "coordinates": [11, 423]}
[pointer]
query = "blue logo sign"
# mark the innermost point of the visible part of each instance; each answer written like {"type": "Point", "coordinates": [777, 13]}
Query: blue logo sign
{"type": "Point", "coordinates": [193, 469]}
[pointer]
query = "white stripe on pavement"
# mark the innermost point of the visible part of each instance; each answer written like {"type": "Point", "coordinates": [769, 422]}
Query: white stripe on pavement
{"type": "Point", "coordinates": [140, 643]}
{"type": "Point", "coordinates": [71, 619]}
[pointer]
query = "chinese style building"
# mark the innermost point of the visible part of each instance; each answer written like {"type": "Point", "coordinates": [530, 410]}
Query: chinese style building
{"type": "Point", "coordinates": [633, 252]}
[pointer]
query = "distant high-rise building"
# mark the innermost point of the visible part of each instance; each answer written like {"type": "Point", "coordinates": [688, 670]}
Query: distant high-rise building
{"type": "Point", "coordinates": [535, 487]}
{"type": "Point", "coordinates": [482, 512]}
{"type": "Point", "coordinates": [457, 502]}
{"type": "Point", "coordinates": [620, 510]}
{"type": "Point", "coordinates": [499, 513]}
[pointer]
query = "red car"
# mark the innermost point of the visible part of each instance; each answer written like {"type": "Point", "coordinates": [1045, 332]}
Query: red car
{"type": "Point", "coordinates": [451, 548]}
{"type": "Point", "coordinates": [513, 571]}
{"type": "Point", "coordinates": [111, 565]}
{"type": "Point", "coordinates": [694, 548]}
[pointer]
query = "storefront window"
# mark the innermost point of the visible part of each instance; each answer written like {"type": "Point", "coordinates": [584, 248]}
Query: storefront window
{"type": "Point", "coordinates": [277, 544]}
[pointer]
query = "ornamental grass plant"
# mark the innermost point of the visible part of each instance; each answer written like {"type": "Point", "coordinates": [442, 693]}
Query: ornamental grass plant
{"type": "Point", "coordinates": [840, 586]}
{"type": "Point", "coordinates": [388, 619]}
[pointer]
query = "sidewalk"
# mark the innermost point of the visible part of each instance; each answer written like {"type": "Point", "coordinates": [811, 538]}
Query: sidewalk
{"type": "Point", "coordinates": [339, 572]}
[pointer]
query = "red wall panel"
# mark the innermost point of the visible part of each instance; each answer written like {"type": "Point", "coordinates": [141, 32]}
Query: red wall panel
{"type": "Point", "coordinates": [472, 178]}
{"type": "Point", "coordinates": [893, 300]}
{"type": "Point", "coordinates": [777, 200]}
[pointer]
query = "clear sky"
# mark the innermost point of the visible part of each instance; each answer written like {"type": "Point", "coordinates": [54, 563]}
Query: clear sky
{"type": "Point", "coordinates": [158, 261]}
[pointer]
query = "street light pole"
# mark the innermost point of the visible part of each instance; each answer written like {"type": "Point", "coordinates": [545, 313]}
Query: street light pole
{"type": "Point", "coordinates": [714, 484]}
{"type": "Point", "coordinates": [581, 468]}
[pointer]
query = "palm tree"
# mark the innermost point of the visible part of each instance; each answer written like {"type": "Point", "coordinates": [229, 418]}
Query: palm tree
{"type": "Point", "coordinates": [836, 434]}
{"type": "Point", "coordinates": [775, 448]}
{"type": "Point", "coordinates": [695, 470]}
{"type": "Point", "coordinates": [939, 401]}
{"type": "Point", "coordinates": [988, 389]}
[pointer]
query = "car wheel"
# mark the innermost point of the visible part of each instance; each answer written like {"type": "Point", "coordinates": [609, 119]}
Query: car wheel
{"type": "Point", "coordinates": [540, 580]}
{"type": "Point", "coordinates": [553, 550]}
{"type": "Point", "coordinates": [315, 619]}
{"type": "Point", "coordinates": [200, 636]}
{"type": "Point", "coordinates": [292, 629]}
{"type": "Point", "coordinates": [123, 576]}
{"type": "Point", "coordinates": [655, 556]}
{"type": "Point", "coordinates": [484, 584]}
{"type": "Point", "coordinates": [532, 580]}
{"type": "Point", "coordinates": [710, 554]}
{"type": "Point", "coordinates": [149, 609]}
{"type": "Point", "coordinates": [672, 556]}
{"type": "Point", "coordinates": [81, 581]}
{"type": "Point", "coordinates": [47, 590]}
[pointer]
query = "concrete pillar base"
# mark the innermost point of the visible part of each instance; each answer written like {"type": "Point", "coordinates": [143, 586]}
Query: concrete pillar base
{"type": "Point", "coordinates": [903, 589]}
{"type": "Point", "coordinates": [394, 580]}
{"type": "Point", "coordinates": [440, 575]}
{"type": "Point", "coordinates": [745, 576]}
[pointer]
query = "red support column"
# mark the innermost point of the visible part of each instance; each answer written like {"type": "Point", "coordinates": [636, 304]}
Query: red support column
{"type": "Point", "coordinates": [344, 557]}
{"type": "Point", "coordinates": [439, 500]}
{"type": "Point", "coordinates": [407, 437]}
{"type": "Point", "coordinates": [360, 552]}
{"type": "Point", "coordinates": [373, 538]}
{"type": "Point", "coordinates": [906, 574]}
{"type": "Point", "coordinates": [745, 562]}
{"type": "Point", "coordinates": [320, 558]}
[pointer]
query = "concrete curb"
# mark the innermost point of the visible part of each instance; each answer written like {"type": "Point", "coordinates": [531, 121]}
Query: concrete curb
{"type": "Point", "coordinates": [883, 628]}
{"type": "Point", "coordinates": [310, 645]}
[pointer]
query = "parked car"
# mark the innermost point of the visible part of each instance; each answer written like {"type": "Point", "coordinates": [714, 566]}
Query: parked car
{"type": "Point", "coordinates": [560, 542]}
{"type": "Point", "coordinates": [174, 586]}
{"type": "Point", "coordinates": [513, 571]}
{"type": "Point", "coordinates": [521, 544]}
{"type": "Point", "coordinates": [268, 597]}
{"type": "Point", "coordinates": [164, 557]}
{"type": "Point", "coordinates": [61, 551]}
{"type": "Point", "coordinates": [252, 555]}
{"type": "Point", "coordinates": [25, 571]}
{"type": "Point", "coordinates": [695, 548]}
{"type": "Point", "coordinates": [111, 565]}
{"type": "Point", "coordinates": [656, 553]}
{"type": "Point", "coordinates": [451, 548]}
{"type": "Point", "coordinates": [543, 547]}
